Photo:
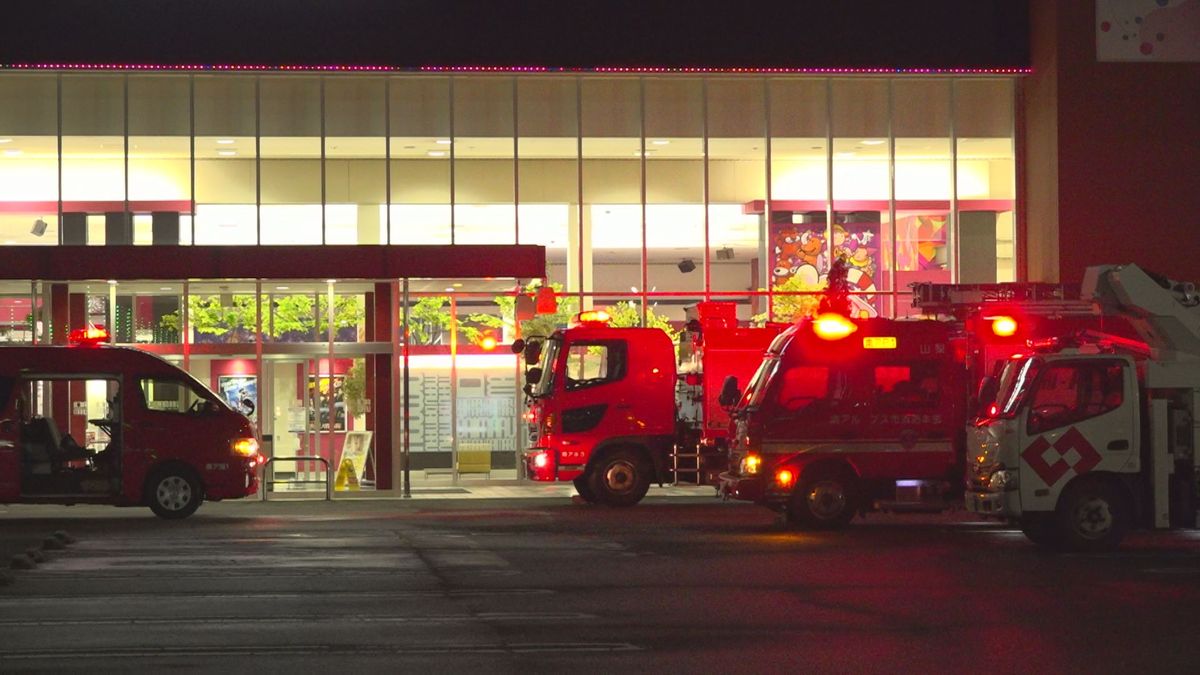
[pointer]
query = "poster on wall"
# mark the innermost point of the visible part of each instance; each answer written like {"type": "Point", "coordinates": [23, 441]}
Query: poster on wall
{"type": "Point", "coordinates": [801, 257]}
{"type": "Point", "coordinates": [241, 393]}
{"type": "Point", "coordinates": [319, 389]}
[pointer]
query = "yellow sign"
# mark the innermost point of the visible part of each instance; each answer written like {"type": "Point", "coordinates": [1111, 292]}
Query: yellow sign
{"type": "Point", "coordinates": [353, 466]}
{"type": "Point", "coordinates": [879, 342]}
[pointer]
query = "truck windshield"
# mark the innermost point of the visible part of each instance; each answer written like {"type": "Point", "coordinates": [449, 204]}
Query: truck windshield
{"type": "Point", "coordinates": [546, 363]}
{"type": "Point", "coordinates": [1015, 380]}
{"type": "Point", "coordinates": [759, 383]}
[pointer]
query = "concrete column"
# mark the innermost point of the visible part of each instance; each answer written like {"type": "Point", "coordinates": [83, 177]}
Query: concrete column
{"type": "Point", "coordinates": [579, 267]}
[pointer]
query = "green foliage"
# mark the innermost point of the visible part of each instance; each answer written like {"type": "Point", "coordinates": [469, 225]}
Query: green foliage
{"type": "Point", "coordinates": [504, 321]}
{"type": "Point", "coordinates": [627, 315]}
{"type": "Point", "coordinates": [789, 308]}
{"type": "Point", "coordinates": [292, 313]}
{"type": "Point", "coordinates": [354, 388]}
{"type": "Point", "coordinates": [427, 320]}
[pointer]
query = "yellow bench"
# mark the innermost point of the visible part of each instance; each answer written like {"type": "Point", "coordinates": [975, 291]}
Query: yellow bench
{"type": "Point", "coordinates": [474, 458]}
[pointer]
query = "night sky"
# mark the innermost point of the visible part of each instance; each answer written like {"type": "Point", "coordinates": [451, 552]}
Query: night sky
{"type": "Point", "coordinates": [565, 33]}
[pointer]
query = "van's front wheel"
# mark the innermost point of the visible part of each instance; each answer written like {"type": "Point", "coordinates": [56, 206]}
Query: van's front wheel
{"type": "Point", "coordinates": [174, 493]}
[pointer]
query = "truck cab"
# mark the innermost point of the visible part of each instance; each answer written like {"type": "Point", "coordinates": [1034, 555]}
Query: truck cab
{"type": "Point", "coordinates": [602, 409]}
{"type": "Point", "coordinates": [1095, 434]}
{"type": "Point", "coordinates": [89, 423]}
{"type": "Point", "coordinates": [844, 416]}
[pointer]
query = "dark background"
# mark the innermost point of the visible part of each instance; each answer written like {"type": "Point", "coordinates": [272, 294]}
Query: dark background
{"type": "Point", "coordinates": [553, 33]}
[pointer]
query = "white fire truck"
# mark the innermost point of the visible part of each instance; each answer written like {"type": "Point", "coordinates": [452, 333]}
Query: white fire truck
{"type": "Point", "coordinates": [1095, 434]}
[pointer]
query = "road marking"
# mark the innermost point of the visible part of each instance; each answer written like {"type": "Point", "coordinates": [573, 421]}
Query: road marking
{"type": "Point", "coordinates": [356, 650]}
{"type": "Point", "coordinates": [487, 617]}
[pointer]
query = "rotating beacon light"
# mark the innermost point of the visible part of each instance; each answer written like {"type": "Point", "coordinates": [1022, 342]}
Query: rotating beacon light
{"type": "Point", "coordinates": [831, 326]}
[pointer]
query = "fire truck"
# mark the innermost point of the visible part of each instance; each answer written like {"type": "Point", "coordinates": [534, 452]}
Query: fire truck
{"type": "Point", "coordinates": [846, 416]}
{"type": "Point", "coordinates": [88, 423]}
{"type": "Point", "coordinates": [1094, 434]}
{"type": "Point", "coordinates": [615, 409]}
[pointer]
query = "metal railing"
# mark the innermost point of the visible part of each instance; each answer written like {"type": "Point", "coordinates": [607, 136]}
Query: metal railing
{"type": "Point", "coordinates": [268, 484]}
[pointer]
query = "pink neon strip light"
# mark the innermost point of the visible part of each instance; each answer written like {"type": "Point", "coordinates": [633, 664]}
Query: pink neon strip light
{"type": "Point", "coordinates": [517, 69]}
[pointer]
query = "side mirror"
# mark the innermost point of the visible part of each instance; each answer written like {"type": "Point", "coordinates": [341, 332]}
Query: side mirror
{"type": "Point", "coordinates": [533, 376]}
{"type": "Point", "coordinates": [518, 346]}
{"type": "Point", "coordinates": [533, 351]}
{"type": "Point", "coordinates": [730, 393]}
{"type": "Point", "coordinates": [988, 388]}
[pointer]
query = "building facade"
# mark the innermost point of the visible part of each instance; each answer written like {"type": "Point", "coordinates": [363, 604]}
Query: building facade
{"type": "Point", "coordinates": [648, 191]}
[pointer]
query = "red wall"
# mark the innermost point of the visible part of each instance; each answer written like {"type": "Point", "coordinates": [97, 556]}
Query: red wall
{"type": "Point", "coordinates": [1128, 150]}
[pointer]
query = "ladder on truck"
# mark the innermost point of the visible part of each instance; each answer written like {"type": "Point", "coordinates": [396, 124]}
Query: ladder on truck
{"type": "Point", "coordinates": [959, 300]}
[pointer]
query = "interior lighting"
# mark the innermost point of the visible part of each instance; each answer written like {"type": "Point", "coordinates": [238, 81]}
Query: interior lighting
{"type": "Point", "coordinates": [660, 141]}
{"type": "Point", "coordinates": [227, 153]}
{"type": "Point", "coordinates": [12, 153]}
{"type": "Point", "coordinates": [436, 153]}
{"type": "Point", "coordinates": [225, 141]}
{"type": "Point", "coordinates": [443, 141]}
{"type": "Point", "coordinates": [5, 140]}
{"type": "Point", "coordinates": [282, 288]}
{"type": "Point", "coordinates": [873, 141]}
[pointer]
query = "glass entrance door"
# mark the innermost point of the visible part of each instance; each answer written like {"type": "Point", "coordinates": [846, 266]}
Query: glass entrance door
{"type": "Point", "coordinates": [290, 425]}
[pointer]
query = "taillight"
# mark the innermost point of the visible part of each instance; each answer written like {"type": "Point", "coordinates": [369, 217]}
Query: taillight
{"type": "Point", "coordinates": [541, 459]}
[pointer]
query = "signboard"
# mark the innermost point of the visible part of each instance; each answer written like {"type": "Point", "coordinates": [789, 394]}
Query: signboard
{"type": "Point", "coordinates": [355, 450]}
{"type": "Point", "coordinates": [240, 392]}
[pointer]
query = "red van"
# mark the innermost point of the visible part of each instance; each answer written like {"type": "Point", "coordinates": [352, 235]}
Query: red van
{"type": "Point", "coordinates": [94, 424]}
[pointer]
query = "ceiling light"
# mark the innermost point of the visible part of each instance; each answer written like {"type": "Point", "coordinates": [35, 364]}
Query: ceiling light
{"type": "Point", "coordinates": [227, 153]}
{"type": "Point", "coordinates": [12, 153]}
{"type": "Point", "coordinates": [873, 141]}
{"type": "Point", "coordinates": [449, 290]}
{"type": "Point", "coordinates": [443, 141]}
{"type": "Point", "coordinates": [112, 282]}
{"type": "Point", "coordinates": [164, 288]}
{"type": "Point", "coordinates": [457, 285]}
{"type": "Point", "coordinates": [5, 140]}
{"type": "Point", "coordinates": [225, 141]}
{"type": "Point", "coordinates": [436, 153]}
{"type": "Point", "coordinates": [282, 288]}
{"type": "Point", "coordinates": [660, 141]}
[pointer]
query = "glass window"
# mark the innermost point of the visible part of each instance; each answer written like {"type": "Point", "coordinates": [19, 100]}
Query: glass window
{"type": "Point", "coordinates": [1070, 392]}
{"type": "Point", "coordinates": [674, 165]}
{"type": "Point", "coordinates": [225, 165]}
{"type": "Point", "coordinates": [420, 160]}
{"type": "Point", "coordinates": [29, 159]}
{"type": "Point", "coordinates": [589, 364]}
{"type": "Point", "coordinates": [612, 232]}
{"type": "Point", "coordinates": [484, 211]}
{"type": "Point", "coordinates": [737, 168]}
{"type": "Point", "coordinates": [93, 159]}
{"type": "Point", "coordinates": [986, 179]}
{"type": "Point", "coordinates": [160, 159]}
{"type": "Point", "coordinates": [355, 160]}
{"type": "Point", "coordinates": [290, 161]}
{"type": "Point", "coordinates": [801, 385]}
{"type": "Point", "coordinates": [170, 395]}
{"type": "Point", "coordinates": [548, 172]}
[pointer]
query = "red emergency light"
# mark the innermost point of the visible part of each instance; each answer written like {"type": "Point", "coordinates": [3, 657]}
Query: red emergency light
{"type": "Point", "coordinates": [593, 317]}
{"type": "Point", "coordinates": [90, 336]}
{"type": "Point", "coordinates": [830, 326]}
{"type": "Point", "coordinates": [487, 343]}
{"type": "Point", "coordinates": [1004, 326]}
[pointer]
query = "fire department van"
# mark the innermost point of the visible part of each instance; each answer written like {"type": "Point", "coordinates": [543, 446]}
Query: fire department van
{"type": "Point", "coordinates": [94, 424]}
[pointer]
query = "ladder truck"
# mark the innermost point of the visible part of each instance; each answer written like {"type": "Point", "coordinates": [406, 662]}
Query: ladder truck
{"type": "Point", "coordinates": [1094, 434]}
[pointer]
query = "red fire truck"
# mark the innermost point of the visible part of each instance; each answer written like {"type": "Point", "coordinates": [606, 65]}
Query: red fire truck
{"type": "Point", "coordinates": [610, 411]}
{"type": "Point", "coordinates": [845, 416]}
{"type": "Point", "coordinates": [132, 430]}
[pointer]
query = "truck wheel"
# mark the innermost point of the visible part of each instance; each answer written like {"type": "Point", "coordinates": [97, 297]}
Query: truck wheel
{"type": "Point", "coordinates": [1092, 516]}
{"type": "Point", "coordinates": [584, 489]}
{"type": "Point", "coordinates": [824, 500]}
{"type": "Point", "coordinates": [620, 478]}
{"type": "Point", "coordinates": [174, 493]}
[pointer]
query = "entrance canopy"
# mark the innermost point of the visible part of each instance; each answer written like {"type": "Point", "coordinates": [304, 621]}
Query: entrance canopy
{"type": "Point", "coordinates": [77, 263]}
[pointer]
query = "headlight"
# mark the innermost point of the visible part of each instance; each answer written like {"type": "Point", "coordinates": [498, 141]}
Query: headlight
{"type": "Point", "coordinates": [750, 466]}
{"type": "Point", "coordinates": [1003, 480]}
{"type": "Point", "coordinates": [246, 447]}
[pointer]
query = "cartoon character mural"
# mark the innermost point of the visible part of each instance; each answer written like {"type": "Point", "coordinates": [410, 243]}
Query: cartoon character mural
{"type": "Point", "coordinates": [802, 257]}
